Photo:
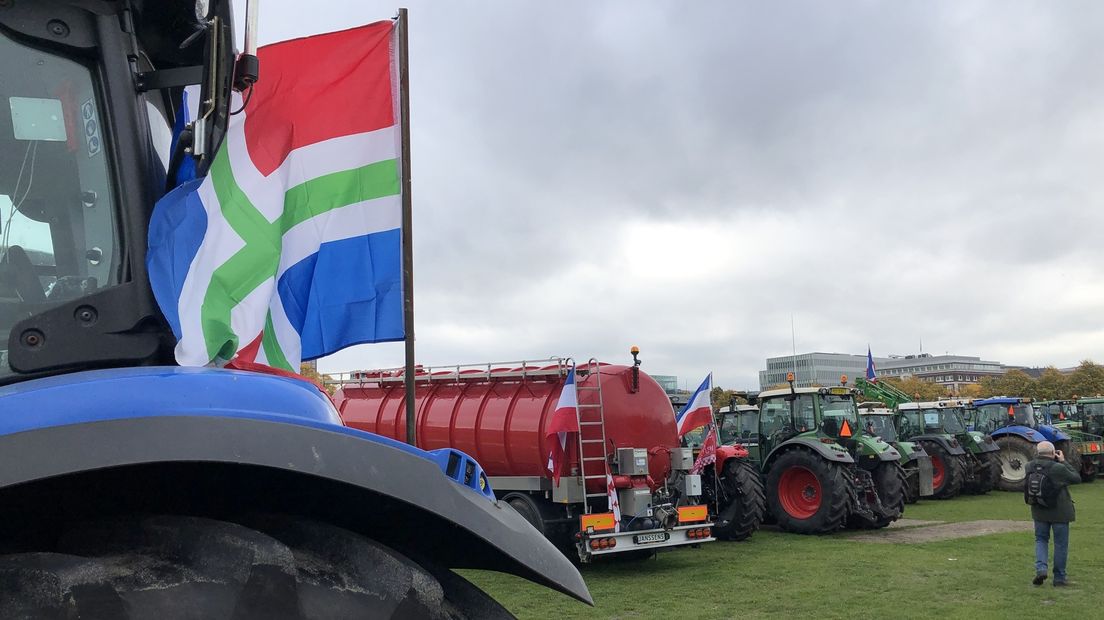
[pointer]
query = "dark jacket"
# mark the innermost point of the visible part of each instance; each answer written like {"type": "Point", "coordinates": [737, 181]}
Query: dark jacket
{"type": "Point", "coordinates": [1062, 474]}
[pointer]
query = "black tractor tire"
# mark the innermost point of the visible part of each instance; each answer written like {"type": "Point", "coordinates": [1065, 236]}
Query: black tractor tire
{"type": "Point", "coordinates": [1072, 454]}
{"type": "Point", "coordinates": [987, 475]}
{"type": "Point", "coordinates": [953, 467]}
{"type": "Point", "coordinates": [1015, 453]}
{"type": "Point", "coordinates": [172, 566]}
{"type": "Point", "coordinates": [740, 482]}
{"type": "Point", "coordinates": [527, 507]}
{"type": "Point", "coordinates": [815, 493]}
{"type": "Point", "coordinates": [912, 485]}
{"type": "Point", "coordinates": [889, 481]}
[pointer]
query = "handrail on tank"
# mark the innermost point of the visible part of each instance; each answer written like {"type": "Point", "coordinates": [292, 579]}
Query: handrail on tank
{"type": "Point", "coordinates": [521, 369]}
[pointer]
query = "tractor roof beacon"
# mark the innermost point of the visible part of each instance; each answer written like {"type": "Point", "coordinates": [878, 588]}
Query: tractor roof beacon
{"type": "Point", "coordinates": [131, 485]}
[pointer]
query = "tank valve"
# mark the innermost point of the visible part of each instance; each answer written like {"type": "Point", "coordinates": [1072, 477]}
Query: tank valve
{"type": "Point", "coordinates": [635, 350]}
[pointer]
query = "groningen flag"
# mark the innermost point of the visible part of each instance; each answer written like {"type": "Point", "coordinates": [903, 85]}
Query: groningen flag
{"type": "Point", "coordinates": [292, 240]}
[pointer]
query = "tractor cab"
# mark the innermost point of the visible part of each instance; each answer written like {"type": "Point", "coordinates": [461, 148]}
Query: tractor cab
{"type": "Point", "coordinates": [1091, 413]}
{"type": "Point", "coordinates": [828, 415]}
{"type": "Point", "coordinates": [1057, 412]}
{"type": "Point", "coordinates": [991, 414]}
{"type": "Point", "coordinates": [739, 425]}
{"type": "Point", "coordinates": [877, 420]}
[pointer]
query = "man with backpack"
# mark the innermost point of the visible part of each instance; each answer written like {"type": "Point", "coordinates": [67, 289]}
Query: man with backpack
{"type": "Point", "coordinates": [1045, 490]}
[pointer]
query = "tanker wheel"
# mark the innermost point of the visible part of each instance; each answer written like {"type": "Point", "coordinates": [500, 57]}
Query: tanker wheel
{"type": "Point", "coordinates": [527, 507]}
{"type": "Point", "coordinates": [172, 566]}
{"type": "Point", "coordinates": [948, 470]}
{"type": "Point", "coordinates": [740, 481]}
{"type": "Point", "coordinates": [806, 493]}
{"type": "Point", "coordinates": [889, 481]}
{"type": "Point", "coordinates": [1015, 453]}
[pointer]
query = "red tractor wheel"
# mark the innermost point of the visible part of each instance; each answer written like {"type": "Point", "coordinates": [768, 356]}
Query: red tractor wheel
{"type": "Point", "coordinates": [948, 470]}
{"type": "Point", "coordinates": [807, 493]}
{"type": "Point", "coordinates": [799, 492]}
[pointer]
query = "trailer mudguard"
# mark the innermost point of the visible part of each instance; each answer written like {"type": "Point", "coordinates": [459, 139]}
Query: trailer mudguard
{"type": "Point", "coordinates": [833, 452]}
{"type": "Point", "coordinates": [187, 435]}
{"type": "Point", "coordinates": [952, 448]}
{"type": "Point", "coordinates": [1020, 431]}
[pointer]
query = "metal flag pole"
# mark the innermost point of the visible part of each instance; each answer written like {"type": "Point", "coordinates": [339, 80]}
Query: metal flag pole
{"type": "Point", "coordinates": [407, 224]}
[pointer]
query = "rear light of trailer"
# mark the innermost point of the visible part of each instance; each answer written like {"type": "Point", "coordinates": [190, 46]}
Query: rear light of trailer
{"type": "Point", "coordinates": [602, 543]}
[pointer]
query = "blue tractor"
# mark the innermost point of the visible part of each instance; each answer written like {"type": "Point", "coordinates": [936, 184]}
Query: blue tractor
{"type": "Point", "coordinates": [1012, 423]}
{"type": "Point", "coordinates": [134, 488]}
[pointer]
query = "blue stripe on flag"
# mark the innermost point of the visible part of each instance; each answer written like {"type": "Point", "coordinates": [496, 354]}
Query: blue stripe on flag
{"type": "Point", "coordinates": [350, 292]}
{"type": "Point", "coordinates": [176, 230]}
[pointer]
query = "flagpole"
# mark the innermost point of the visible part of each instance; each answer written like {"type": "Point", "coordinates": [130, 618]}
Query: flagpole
{"type": "Point", "coordinates": [407, 226]}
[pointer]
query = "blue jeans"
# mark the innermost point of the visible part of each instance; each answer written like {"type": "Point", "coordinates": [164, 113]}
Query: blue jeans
{"type": "Point", "coordinates": [1061, 547]}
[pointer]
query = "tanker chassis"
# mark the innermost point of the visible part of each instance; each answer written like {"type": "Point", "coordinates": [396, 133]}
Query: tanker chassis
{"type": "Point", "coordinates": [497, 413]}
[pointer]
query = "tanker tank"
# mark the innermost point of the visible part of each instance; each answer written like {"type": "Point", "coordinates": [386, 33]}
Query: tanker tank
{"type": "Point", "coordinates": [631, 490]}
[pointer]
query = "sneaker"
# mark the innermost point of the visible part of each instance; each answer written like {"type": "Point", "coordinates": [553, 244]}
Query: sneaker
{"type": "Point", "coordinates": [1040, 578]}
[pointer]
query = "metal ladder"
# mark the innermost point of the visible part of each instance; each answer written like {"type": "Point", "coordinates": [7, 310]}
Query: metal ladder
{"type": "Point", "coordinates": [591, 415]}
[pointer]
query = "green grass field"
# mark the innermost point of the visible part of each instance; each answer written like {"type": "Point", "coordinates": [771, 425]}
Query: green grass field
{"type": "Point", "coordinates": [775, 574]}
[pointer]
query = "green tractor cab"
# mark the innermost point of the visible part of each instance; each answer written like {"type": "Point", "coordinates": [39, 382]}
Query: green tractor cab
{"type": "Point", "coordinates": [1069, 417]}
{"type": "Point", "coordinates": [880, 422]}
{"type": "Point", "coordinates": [963, 460]}
{"type": "Point", "coordinates": [822, 472]}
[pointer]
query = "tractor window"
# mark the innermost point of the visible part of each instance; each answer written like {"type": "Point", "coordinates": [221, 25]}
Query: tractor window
{"type": "Point", "coordinates": [953, 422]}
{"type": "Point", "coordinates": [804, 413]}
{"type": "Point", "coordinates": [839, 408]}
{"type": "Point", "coordinates": [881, 426]}
{"type": "Point", "coordinates": [933, 422]}
{"type": "Point", "coordinates": [1094, 409]}
{"type": "Point", "coordinates": [910, 424]}
{"type": "Point", "coordinates": [58, 237]}
{"type": "Point", "coordinates": [996, 415]}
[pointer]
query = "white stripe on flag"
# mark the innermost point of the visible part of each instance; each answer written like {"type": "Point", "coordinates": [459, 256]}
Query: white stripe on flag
{"type": "Point", "coordinates": [304, 164]}
{"type": "Point", "coordinates": [355, 220]}
{"type": "Point", "coordinates": [247, 319]}
{"type": "Point", "coordinates": [285, 334]}
{"type": "Point", "coordinates": [220, 242]}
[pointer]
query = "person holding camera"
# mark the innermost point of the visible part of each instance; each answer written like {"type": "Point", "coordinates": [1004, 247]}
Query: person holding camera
{"type": "Point", "coordinates": [1046, 490]}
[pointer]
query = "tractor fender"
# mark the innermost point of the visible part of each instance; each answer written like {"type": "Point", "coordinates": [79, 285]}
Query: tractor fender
{"type": "Point", "coordinates": [809, 443]}
{"type": "Point", "coordinates": [1016, 430]}
{"type": "Point", "coordinates": [985, 443]}
{"type": "Point", "coordinates": [724, 453]}
{"type": "Point", "coordinates": [954, 449]}
{"type": "Point", "coordinates": [211, 439]}
{"type": "Point", "coordinates": [1053, 433]}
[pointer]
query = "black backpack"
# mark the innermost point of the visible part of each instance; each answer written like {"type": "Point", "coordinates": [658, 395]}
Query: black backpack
{"type": "Point", "coordinates": [1039, 489]}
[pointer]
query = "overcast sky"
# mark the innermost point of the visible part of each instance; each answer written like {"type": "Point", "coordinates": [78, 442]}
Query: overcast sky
{"type": "Point", "coordinates": [685, 176]}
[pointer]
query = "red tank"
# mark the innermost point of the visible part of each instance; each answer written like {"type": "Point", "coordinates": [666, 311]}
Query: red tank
{"type": "Point", "coordinates": [498, 415]}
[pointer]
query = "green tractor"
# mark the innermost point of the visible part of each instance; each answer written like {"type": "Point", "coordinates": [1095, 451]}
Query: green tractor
{"type": "Point", "coordinates": [879, 421]}
{"type": "Point", "coordinates": [1069, 417]}
{"type": "Point", "coordinates": [822, 473]}
{"type": "Point", "coordinates": [963, 460]}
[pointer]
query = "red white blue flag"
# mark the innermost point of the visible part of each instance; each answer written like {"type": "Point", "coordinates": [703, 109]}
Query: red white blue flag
{"type": "Point", "coordinates": [871, 375]}
{"type": "Point", "coordinates": [564, 420]}
{"type": "Point", "coordinates": [699, 411]}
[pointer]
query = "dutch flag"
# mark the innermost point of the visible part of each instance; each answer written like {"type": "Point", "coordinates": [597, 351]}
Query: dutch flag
{"type": "Point", "coordinates": [699, 411]}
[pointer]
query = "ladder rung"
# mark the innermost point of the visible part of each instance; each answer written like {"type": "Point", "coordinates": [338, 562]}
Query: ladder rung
{"type": "Point", "coordinates": [591, 423]}
{"type": "Point", "coordinates": [594, 458]}
{"type": "Point", "coordinates": [588, 406]}
{"type": "Point", "coordinates": [594, 476]}
{"type": "Point", "coordinates": [597, 495]}
{"type": "Point", "coordinates": [593, 388]}
{"type": "Point", "coordinates": [593, 441]}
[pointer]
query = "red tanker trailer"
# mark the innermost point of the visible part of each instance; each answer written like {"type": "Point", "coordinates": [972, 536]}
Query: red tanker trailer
{"type": "Point", "coordinates": [497, 414]}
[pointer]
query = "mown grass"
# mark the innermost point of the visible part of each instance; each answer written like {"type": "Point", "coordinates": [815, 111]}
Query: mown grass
{"type": "Point", "coordinates": [776, 574]}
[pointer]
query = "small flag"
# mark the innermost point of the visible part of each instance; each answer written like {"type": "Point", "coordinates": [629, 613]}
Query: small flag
{"type": "Point", "coordinates": [699, 411]}
{"type": "Point", "coordinates": [564, 420]}
{"type": "Point", "coordinates": [614, 505]}
{"type": "Point", "coordinates": [708, 454]}
{"type": "Point", "coordinates": [871, 374]}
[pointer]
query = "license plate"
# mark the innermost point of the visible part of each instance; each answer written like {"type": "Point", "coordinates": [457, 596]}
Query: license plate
{"type": "Point", "coordinates": [641, 539]}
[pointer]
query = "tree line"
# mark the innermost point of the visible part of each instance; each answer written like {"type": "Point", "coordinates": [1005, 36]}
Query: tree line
{"type": "Point", "coordinates": [1086, 380]}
